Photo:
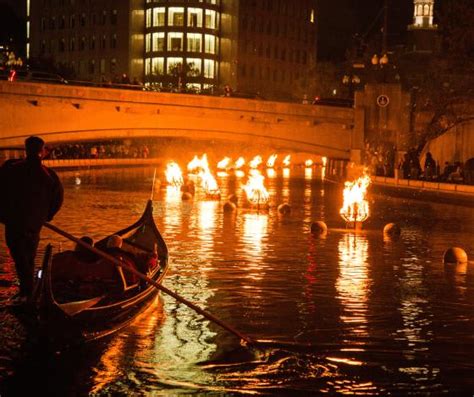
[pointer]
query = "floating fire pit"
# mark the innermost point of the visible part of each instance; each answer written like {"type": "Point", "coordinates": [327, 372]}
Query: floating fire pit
{"type": "Point", "coordinates": [256, 192]}
{"type": "Point", "coordinates": [355, 209]}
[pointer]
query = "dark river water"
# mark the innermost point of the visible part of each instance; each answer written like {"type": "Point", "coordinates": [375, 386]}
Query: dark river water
{"type": "Point", "coordinates": [383, 317]}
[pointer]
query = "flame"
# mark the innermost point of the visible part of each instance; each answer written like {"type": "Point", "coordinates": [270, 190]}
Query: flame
{"type": "Point", "coordinates": [209, 183]}
{"type": "Point", "coordinates": [271, 160]}
{"type": "Point", "coordinates": [173, 173]}
{"type": "Point", "coordinates": [356, 207]}
{"type": "Point", "coordinates": [324, 160]}
{"type": "Point", "coordinates": [239, 163]}
{"type": "Point", "coordinates": [255, 162]}
{"type": "Point", "coordinates": [308, 163]}
{"type": "Point", "coordinates": [224, 163]}
{"type": "Point", "coordinates": [255, 190]}
{"type": "Point", "coordinates": [286, 160]}
{"type": "Point", "coordinates": [197, 165]}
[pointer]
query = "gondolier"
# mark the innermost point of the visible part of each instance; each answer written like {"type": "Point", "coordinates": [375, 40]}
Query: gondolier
{"type": "Point", "coordinates": [31, 195]}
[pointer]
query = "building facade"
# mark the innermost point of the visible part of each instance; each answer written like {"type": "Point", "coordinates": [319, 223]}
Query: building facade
{"type": "Point", "coordinates": [254, 46]}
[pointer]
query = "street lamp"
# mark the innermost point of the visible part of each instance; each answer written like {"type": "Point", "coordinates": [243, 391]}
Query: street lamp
{"type": "Point", "coordinates": [381, 64]}
{"type": "Point", "coordinates": [351, 80]}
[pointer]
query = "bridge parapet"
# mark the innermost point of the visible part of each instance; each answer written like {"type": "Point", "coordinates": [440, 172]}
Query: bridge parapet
{"type": "Point", "coordinates": [62, 113]}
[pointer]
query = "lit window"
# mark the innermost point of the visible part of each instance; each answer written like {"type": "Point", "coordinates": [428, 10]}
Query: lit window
{"type": "Point", "coordinates": [157, 66]}
{"type": "Point", "coordinates": [176, 16]}
{"type": "Point", "coordinates": [27, 29]}
{"type": "Point", "coordinates": [159, 16]}
{"type": "Point", "coordinates": [209, 69]}
{"type": "Point", "coordinates": [194, 68]}
{"type": "Point", "coordinates": [147, 42]}
{"type": "Point", "coordinates": [194, 42]}
{"type": "Point", "coordinates": [148, 18]}
{"type": "Point", "coordinates": [210, 19]}
{"type": "Point", "coordinates": [210, 44]}
{"type": "Point", "coordinates": [102, 66]}
{"type": "Point", "coordinates": [175, 66]}
{"type": "Point", "coordinates": [175, 41]}
{"type": "Point", "coordinates": [195, 17]}
{"type": "Point", "coordinates": [113, 64]}
{"type": "Point", "coordinates": [311, 18]}
{"type": "Point", "coordinates": [158, 41]}
{"type": "Point", "coordinates": [147, 66]}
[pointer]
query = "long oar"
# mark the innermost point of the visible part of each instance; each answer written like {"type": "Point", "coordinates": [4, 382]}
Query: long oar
{"type": "Point", "coordinates": [245, 338]}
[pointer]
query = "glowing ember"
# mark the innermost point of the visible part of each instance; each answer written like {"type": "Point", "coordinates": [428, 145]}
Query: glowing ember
{"type": "Point", "coordinates": [255, 190]}
{"type": "Point", "coordinates": [197, 165]}
{"type": "Point", "coordinates": [308, 163]}
{"type": "Point", "coordinates": [356, 207]}
{"type": "Point", "coordinates": [286, 160]}
{"type": "Point", "coordinates": [271, 160]}
{"type": "Point", "coordinates": [255, 162]}
{"type": "Point", "coordinates": [173, 174]}
{"type": "Point", "coordinates": [224, 163]}
{"type": "Point", "coordinates": [239, 163]}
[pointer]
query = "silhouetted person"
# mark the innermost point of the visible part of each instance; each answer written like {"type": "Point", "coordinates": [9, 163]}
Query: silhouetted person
{"type": "Point", "coordinates": [430, 166]}
{"type": "Point", "coordinates": [31, 195]}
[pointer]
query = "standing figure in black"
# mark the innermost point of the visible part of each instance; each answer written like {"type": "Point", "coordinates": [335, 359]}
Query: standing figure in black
{"type": "Point", "coordinates": [31, 195]}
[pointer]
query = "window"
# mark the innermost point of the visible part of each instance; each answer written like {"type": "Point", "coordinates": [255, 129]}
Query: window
{"type": "Point", "coordinates": [194, 67]}
{"type": "Point", "coordinates": [113, 17]}
{"type": "Point", "coordinates": [195, 17]}
{"type": "Point", "coordinates": [158, 66]}
{"type": "Point", "coordinates": [209, 69]}
{"type": "Point", "coordinates": [102, 66]}
{"type": "Point", "coordinates": [91, 66]}
{"type": "Point", "coordinates": [210, 44]}
{"type": "Point", "coordinates": [147, 66]}
{"type": "Point", "coordinates": [175, 66]}
{"type": "Point", "coordinates": [159, 16]}
{"type": "Point", "coordinates": [210, 19]}
{"type": "Point", "coordinates": [148, 18]}
{"type": "Point", "coordinates": [43, 24]}
{"type": "Point", "coordinates": [103, 41]}
{"type": "Point", "coordinates": [147, 42]}
{"type": "Point", "coordinates": [103, 17]}
{"type": "Point", "coordinates": [176, 16]}
{"type": "Point", "coordinates": [113, 41]}
{"type": "Point", "coordinates": [62, 45]}
{"type": "Point", "coordinates": [62, 22]}
{"type": "Point", "coordinates": [83, 20]}
{"type": "Point", "coordinates": [43, 46]}
{"type": "Point", "coordinates": [158, 41]}
{"type": "Point", "coordinates": [113, 64]}
{"type": "Point", "coordinates": [72, 22]}
{"type": "Point", "coordinates": [175, 41]}
{"type": "Point", "coordinates": [194, 42]}
{"type": "Point", "coordinates": [72, 44]}
{"type": "Point", "coordinates": [92, 43]}
{"type": "Point", "coordinates": [82, 45]}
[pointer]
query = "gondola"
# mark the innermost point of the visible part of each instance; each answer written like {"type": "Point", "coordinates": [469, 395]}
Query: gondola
{"type": "Point", "coordinates": [81, 297]}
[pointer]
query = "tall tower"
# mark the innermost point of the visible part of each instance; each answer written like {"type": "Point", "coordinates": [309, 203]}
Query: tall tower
{"type": "Point", "coordinates": [423, 33]}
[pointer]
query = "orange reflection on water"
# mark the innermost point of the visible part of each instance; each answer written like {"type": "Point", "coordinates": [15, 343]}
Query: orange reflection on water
{"type": "Point", "coordinates": [308, 173]}
{"type": "Point", "coordinates": [353, 282]}
{"type": "Point", "coordinates": [254, 232]}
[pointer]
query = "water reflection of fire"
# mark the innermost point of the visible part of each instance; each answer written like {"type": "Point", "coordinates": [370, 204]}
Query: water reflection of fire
{"type": "Point", "coordinates": [355, 207]}
{"type": "Point", "coordinates": [255, 190]}
{"type": "Point", "coordinates": [173, 173]}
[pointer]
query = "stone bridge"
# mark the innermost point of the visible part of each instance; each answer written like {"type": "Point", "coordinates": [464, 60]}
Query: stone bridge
{"type": "Point", "coordinates": [63, 113]}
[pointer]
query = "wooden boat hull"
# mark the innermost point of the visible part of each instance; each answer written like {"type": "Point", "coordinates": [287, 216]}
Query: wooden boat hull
{"type": "Point", "coordinates": [91, 319]}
